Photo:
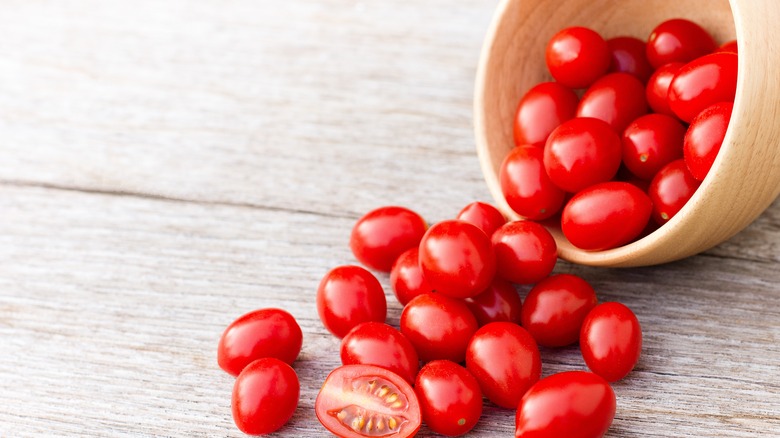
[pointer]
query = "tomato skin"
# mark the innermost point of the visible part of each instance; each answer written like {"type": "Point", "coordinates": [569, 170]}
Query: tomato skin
{"type": "Point", "coordinates": [678, 40]}
{"type": "Point", "coordinates": [582, 152]}
{"type": "Point", "coordinates": [265, 396]}
{"type": "Point", "coordinates": [555, 309]}
{"type": "Point", "coordinates": [605, 216]}
{"type": "Point", "coordinates": [703, 82]}
{"type": "Point", "coordinates": [657, 90]}
{"type": "Point", "coordinates": [611, 340]}
{"type": "Point", "coordinates": [457, 259]}
{"type": "Point", "coordinates": [729, 46]}
{"type": "Point", "coordinates": [705, 137]}
{"type": "Point", "coordinates": [257, 334]}
{"type": "Point", "coordinates": [376, 343]}
{"type": "Point", "coordinates": [499, 302]}
{"type": "Point", "coordinates": [651, 142]}
{"type": "Point", "coordinates": [525, 252]}
{"type": "Point", "coordinates": [383, 234]}
{"type": "Point", "coordinates": [617, 98]}
{"type": "Point", "coordinates": [577, 56]}
{"type": "Point", "coordinates": [450, 398]}
{"type": "Point", "coordinates": [671, 189]}
{"type": "Point", "coordinates": [484, 216]}
{"type": "Point", "coordinates": [628, 56]}
{"type": "Point", "coordinates": [526, 186]}
{"type": "Point", "coordinates": [505, 360]}
{"type": "Point", "coordinates": [542, 109]}
{"type": "Point", "coordinates": [358, 401]}
{"type": "Point", "coordinates": [573, 404]}
{"type": "Point", "coordinates": [439, 327]}
{"type": "Point", "coordinates": [348, 296]}
{"type": "Point", "coordinates": [406, 277]}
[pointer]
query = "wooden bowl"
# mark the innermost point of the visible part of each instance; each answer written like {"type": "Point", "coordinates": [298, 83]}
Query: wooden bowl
{"type": "Point", "coordinates": [745, 177]}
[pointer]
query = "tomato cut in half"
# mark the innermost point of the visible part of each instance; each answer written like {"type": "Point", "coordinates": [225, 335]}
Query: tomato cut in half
{"type": "Point", "coordinates": [367, 401]}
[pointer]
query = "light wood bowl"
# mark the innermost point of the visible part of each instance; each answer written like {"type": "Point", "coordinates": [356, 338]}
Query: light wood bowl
{"type": "Point", "coordinates": [745, 177]}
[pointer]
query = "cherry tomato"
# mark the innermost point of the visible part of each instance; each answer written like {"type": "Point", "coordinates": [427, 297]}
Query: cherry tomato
{"type": "Point", "coordinates": [381, 235]}
{"type": "Point", "coordinates": [678, 40]}
{"type": "Point", "coordinates": [457, 259]}
{"type": "Point", "coordinates": [628, 56]}
{"type": "Point", "coordinates": [486, 217]}
{"type": "Point", "coordinates": [406, 277]}
{"type": "Point", "coordinates": [573, 404]}
{"type": "Point", "coordinates": [658, 88]}
{"type": "Point", "coordinates": [611, 340]}
{"type": "Point", "coordinates": [358, 401]}
{"type": "Point", "coordinates": [582, 152]}
{"type": "Point", "coordinates": [348, 296]}
{"type": "Point", "coordinates": [555, 308]}
{"type": "Point", "coordinates": [542, 109]}
{"type": "Point", "coordinates": [577, 56]}
{"type": "Point", "coordinates": [258, 334]}
{"type": "Point", "coordinates": [651, 142]}
{"type": "Point", "coordinates": [705, 137]}
{"type": "Point", "coordinates": [450, 399]}
{"type": "Point", "coordinates": [526, 186]}
{"type": "Point", "coordinates": [376, 343]}
{"type": "Point", "coordinates": [671, 188]}
{"type": "Point", "coordinates": [265, 396]}
{"type": "Point", "coordinates": [703, 82]}
{"type": "Point", "coordinates": [617, 98]}
{"type": "Point", "coordinates": [525, 252]}
{"type": "Point", "coordinates": [439, 327]}
{"type": "Point", "coordinates": [499, 302]}
{"type": "Point", "coordinates": [505, 360]}
{"type": "Point", "coordinates": [729, 46]}
{"type": "Point", "coordinates": [606, 216]}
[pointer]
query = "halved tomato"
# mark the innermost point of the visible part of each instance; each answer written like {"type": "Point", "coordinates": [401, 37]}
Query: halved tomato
{"type": "Point", "coordinates": [359, 401]}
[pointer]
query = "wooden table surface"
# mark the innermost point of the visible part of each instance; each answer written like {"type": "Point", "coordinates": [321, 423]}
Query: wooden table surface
{"type": "Point", "coordinates": [169, 166]}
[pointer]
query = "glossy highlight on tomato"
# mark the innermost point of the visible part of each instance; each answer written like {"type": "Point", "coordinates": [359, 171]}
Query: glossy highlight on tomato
{"type": "Point", "coordinates": [525, 252]}
{"type": "Point", "coordinates": [265, 396]}
{"type": "Point", "coordinates": [406, 277]}
{"type": "Point", "coordinates": [348, 296]}
{"type": "Point", "coordinates": [703, 82]}
{"type": "Point", "coordinates": [678, 40]}
{"type": "Point", "coordinates": [705, 137]}
{"type": "Point", "coordinates": [657, 90]}
{"type": "Point", "coordinates": [617, 98]}
{"type": "Point", "coordinates": [381, 235]}
{"type": "Point", "coordinates": [376, 343]}
{"type": "Point", "coordinates": [439, 327]}
{"type": "Point", "coordinates": [577, 56]}
{"type": "Point", "coordinates": [650, 143]}
{"type": "Point", "coordinates": [257, 334]}
{"type": "Point", "coordinates": [526, 186]}
{"type": "Point", "coordinates": [611, 340]}
{"type": "Point", "coordinates": [484, 216]}
{"type": "Point", "coordinates": [450, 398]}
{"type": "Point", "coordinates": [499, 302]}
{"type": "Point", "coordinates": [542, 109]}
{"type": "Point", "coordinates": [358, 401]}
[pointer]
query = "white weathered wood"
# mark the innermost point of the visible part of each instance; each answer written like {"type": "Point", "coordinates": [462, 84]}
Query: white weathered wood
{"type": "Point", "coordinates": [168, 166]}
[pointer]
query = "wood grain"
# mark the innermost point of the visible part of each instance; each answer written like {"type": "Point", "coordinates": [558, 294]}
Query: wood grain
{"type": "Point", "coordinates": [168, 166]}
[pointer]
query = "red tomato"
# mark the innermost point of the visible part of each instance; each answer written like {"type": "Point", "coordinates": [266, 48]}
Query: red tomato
{"type": "Point", "coordinates": [555, 308]}
{"type": "Point", "coordinates": [628, 56]}
{"type": "Point", "coordinates": [671, 188]}
{"type": "Point", "coordinates": [381, 235]}
{"type": "Point", "coordinates": [457, 259]}
{"type": "Point", "coordinates": [376, 343]}
{"type": "Point", "coordinates": [542, 109]}
{"type": "Point", "coordinates": [606, 216]}
{"type": "Point", "coordinates": [486, 217]}
{"type": "Point", "coordinates": [450, 399]}
{"type": "Point", "coordinates": [574, 404]}
{"type": "Point", "coordinates": [729, 46]}
{"type": "Point", "coordinates": [617, 98]}
{"type": "Point", "coordinates": [348, 296]}
{"type": "Point", "coordinates": [703, 82]}
{"type": "Point", "coordinates": [577, 56]}
{"type": "Point", "coordinates": [406, 277]}
{"type": "Point", "coordinates": [651, 142]}
{"type": "Point", "coordinates": [265, 396]}
{"type": "Point", "coordinates": [258, 334]}
{"type": "Point", "coordinates": [439, 327]}
{"type": "Point", "coordinates": [678, 40]}
{"type": "Point", "coordinates": [580, 153]}
{"type": "Point", "coordinates": [658, 88]}
{"type": "Point", "coordinates": [505, 360]}
{"type": "Point", "coordinates": [525, 252]}
{"type": "Point", "coordinates": [611, 340]}
{"type": "Point", "coordinates": [499, 302]}
{"type": "Point", "coordinates": [705, 137]}
{"type": "Point", "coordinates": [358, 401]}
{"type": "Point", "coordinates": [526, 186]}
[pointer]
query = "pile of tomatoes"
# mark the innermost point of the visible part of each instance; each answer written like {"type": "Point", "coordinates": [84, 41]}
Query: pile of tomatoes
{"type": "Point", "coordinates": [463, 319]}
{"type": "Point", "coordinates": [638, 142]}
